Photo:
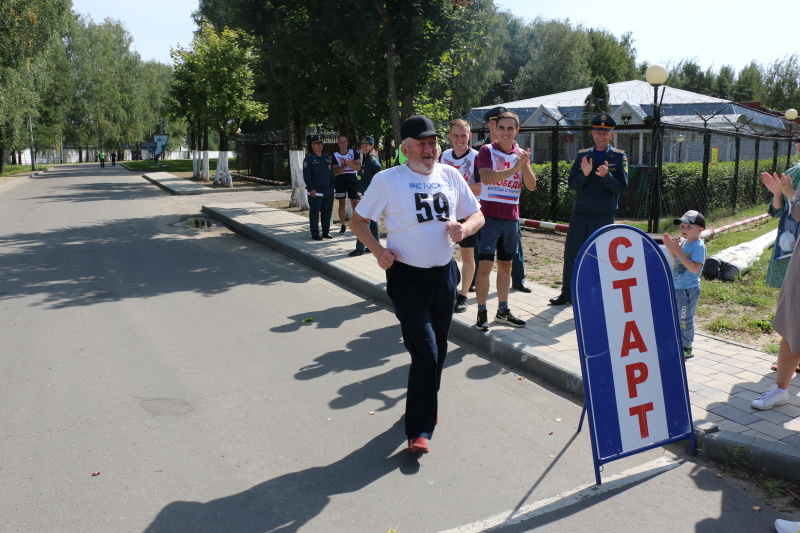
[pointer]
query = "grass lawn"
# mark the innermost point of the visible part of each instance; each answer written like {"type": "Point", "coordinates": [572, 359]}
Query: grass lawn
{"type": "Point", "coordinates": [742, 310]}
{"type": "Point", "coordinates": [10, 170]}
{"type": "Point", "coordinates": [170, 165]}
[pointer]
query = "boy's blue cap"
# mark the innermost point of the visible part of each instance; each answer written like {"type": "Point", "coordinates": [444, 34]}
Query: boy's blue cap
{"type": "Point", "coordinates": [691, 217]}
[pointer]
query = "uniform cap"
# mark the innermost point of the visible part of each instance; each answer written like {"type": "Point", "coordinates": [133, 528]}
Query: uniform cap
{"type": "Point", "coordinates": [315, 138]}
{"type": "Point", "coordinates": [417, 127]}
{"type": "Point", "coordinates": [367, 140]}
{"type": "Point", "coordinates": [691, 217]}
{"type": "Point", "coordinates": [493, 113]}
{"type": "Point", "coordinates": [604, 121]}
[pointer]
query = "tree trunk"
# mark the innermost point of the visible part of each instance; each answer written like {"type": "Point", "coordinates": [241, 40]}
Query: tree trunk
{"type": "Point", "coordinates": [2, 158]}
{"type": "Point", "coordinates": [299, 198]}
{"type": "Point", "coordinates": [391, 62]}
{"type": "Point", "coordinates": [204, 173]}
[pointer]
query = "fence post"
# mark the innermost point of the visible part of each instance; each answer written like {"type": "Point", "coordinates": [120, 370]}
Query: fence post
{"type": "Point", "coordinates": [706, 161]}
{"type": "Point", "coordinates": [736, 141]}
{"type": "Point", "coordinates": [655, 182]}
{"type": "Point", "coordinates": [554, 173]}
{"type": "Point", "coordinates": [755, 169]}
{"type": "Point", "coordinates": [774, 156]}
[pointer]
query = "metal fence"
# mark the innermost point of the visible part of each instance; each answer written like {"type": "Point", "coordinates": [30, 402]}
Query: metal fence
{"type": "Point", "coordinates": [714, 171]}
{"type": "Point", "coordinates": [264, 156]}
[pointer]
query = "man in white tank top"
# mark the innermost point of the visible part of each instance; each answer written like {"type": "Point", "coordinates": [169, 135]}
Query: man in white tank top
{"type": "Point", "coordinates": [345, 164]}
{"type": "Point", "coordinates": [462, 158]}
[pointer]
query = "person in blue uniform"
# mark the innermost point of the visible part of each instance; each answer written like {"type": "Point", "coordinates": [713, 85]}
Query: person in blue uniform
{"type": "Point", "coordinates": [370, 165]}
{"type": "Point", "coordinates": [598, 176]}
{"type": "Point", "coordinates": [518, 262]}
{"type": "Point", "coordinates": [318, 178]}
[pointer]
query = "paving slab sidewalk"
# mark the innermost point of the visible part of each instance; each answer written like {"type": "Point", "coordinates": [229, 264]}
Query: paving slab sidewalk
{"type": "Point", "coordinates": [724, 376]}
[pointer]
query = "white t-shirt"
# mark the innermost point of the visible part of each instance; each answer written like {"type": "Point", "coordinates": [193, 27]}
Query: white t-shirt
{"type": "Point", "coordinates": [464, 164]}
{"type": "Point", "coordinates": [415, 208]}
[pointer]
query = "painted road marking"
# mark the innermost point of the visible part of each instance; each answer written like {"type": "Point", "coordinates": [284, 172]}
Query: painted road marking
{"type": "Point", "coordinates": [571, 497]}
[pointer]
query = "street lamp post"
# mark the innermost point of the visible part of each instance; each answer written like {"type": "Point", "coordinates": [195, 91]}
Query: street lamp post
{"type": "Point", "coordinates": [656, 75]}
{"type": "Point", "coordinates": [680, 140]}
{"type": "Point", "coordinates": [791, 115]}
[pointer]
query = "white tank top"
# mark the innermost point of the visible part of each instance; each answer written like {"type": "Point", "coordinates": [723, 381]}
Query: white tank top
{"type": "Point", "coordinates": [341, 160]}
{"type": "Point", "coordinates": [465, 165]}
{"type": "Point", "coordinates": [508, 190]}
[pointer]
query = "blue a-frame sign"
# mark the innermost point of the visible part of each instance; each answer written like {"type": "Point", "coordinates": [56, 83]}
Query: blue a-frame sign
{"type": "Point", "coordinates": [626, 319]}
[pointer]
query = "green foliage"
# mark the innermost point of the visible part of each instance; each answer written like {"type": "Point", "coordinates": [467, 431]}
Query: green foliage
{"type": "Point", "coordinates": [10, 170]}
{"type": "Point", "coordinates": [29, 29]}
{"type": "Point", "coordinates": [611, 58]}
{"type": "Point", "coordinates": [559, 60]}
{"type": "Point", "coordinates": [215, 81]}
{"type": "Point", "coordinates": [536, 205]}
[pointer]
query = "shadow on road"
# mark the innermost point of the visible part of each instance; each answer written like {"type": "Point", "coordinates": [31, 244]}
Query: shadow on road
{"type": "Point", "coordinates": [286, 503]}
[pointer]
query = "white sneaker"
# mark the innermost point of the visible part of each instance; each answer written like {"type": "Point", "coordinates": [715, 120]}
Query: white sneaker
{"type": "Point", "coordinates": [784, 526]}
{"type": "Point", "coordinates": [774, 396]}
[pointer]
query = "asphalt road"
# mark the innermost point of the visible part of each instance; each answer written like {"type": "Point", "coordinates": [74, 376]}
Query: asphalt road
{"type": "Point", "coordinates": [156, 377]}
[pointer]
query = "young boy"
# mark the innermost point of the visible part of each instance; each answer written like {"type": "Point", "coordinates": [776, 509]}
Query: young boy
{"type": "Point", "coordinates": [689, 256]}
{"type": "Point", "coordinates": [462, 157]}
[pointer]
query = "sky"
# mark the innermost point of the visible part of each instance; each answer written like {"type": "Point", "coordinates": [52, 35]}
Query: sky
{"type": "Point", "coordinates": [713, 33]}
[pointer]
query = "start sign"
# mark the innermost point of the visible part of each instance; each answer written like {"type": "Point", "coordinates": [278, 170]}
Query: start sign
{"type": "Point", "coordinates": [626, 320]}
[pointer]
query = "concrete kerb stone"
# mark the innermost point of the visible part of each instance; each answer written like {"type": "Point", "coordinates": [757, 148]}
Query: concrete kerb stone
{"type": "Point", "coordinates": [776, 458]}
{"type": "Point", "coordinates": [175, 185]}
{"type": "Point", "coordinates": [759, 454]}
{"type": "Point", "coordinates": [181, 186]}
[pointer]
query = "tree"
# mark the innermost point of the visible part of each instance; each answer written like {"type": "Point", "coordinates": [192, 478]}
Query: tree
{"type": "Point", "coordinates": [515, 37]}
{"type": "Point", "coordinates": [723, 82]}
{"type": "Point", "coordinates": [115, 98]}
{"type": "Point", "coordinates": [782, 83]}
{"type": "Point", "coordinates": [596, 102]}
{"type": "Point", "coordinates": [749, 84]}
{"type": "Point", "coordinates": [222, 62]}
{"type": "Point", "coordinates": [28, 28]}
{"type": "Point", "coordinates": [687, 74]}
{"type": "Point", "coordinates": [559, 60]}
{"type": "Point", "coordinates": [611, 58]}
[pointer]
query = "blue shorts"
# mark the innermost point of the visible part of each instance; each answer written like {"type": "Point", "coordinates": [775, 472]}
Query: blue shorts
{"type": "Point", "coordinates": [500, 235]}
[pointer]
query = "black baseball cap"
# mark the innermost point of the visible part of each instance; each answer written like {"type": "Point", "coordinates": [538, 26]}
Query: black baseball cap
{"type": "Point", "coordinates": [493, 113]}
{"type": "Point", "coordinates": [417, 127]}
{"type": "Point", "coordinates": [691, 217]}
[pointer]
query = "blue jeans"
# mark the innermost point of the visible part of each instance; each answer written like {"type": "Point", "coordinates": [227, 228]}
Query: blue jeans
{"type": "Point", "coordinates": [687, 305]}
{"type": "Point", "coordinates": [373, 227]}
